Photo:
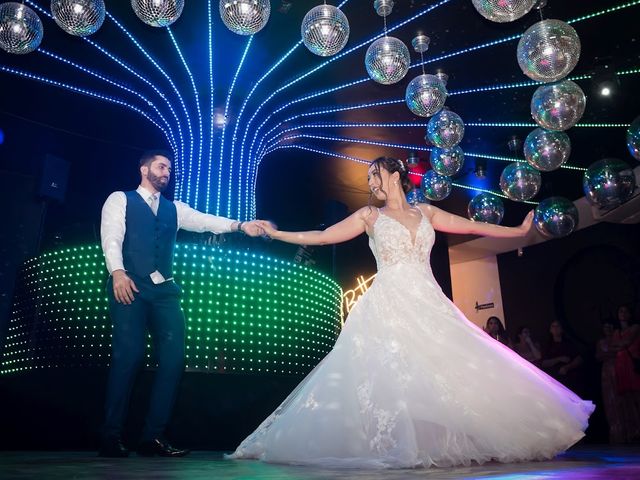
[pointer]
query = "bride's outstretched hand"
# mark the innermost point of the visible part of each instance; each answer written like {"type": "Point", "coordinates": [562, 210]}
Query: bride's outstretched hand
{"type": "Point", "coordinates": [525, 227]}
{"type": "Point", "coordinates": [269, 228]}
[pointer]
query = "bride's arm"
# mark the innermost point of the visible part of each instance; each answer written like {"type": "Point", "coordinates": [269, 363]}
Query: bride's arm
{"type": "Point", "coordinates": [349, 228]}
{"type": "Point", "coordinates": [450, 223]}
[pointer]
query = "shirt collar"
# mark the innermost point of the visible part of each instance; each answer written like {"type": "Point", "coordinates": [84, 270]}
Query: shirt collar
{"type": "Point", "coordinates": [144, 193]}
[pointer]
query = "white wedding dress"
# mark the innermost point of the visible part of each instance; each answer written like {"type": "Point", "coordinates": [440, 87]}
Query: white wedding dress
{"type": "Point", "coordinates": [411, 382]}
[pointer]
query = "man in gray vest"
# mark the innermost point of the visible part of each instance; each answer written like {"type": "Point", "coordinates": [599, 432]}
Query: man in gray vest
{"type": "Point", "coordinates": [138, 232]}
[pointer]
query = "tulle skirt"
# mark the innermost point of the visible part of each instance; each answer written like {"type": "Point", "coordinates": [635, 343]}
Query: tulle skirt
{"type": "Point", "coordinates": [411, 382]}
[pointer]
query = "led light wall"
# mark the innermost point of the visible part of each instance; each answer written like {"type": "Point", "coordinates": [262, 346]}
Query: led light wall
{"type": "Point", "coordinates": [245, 312]}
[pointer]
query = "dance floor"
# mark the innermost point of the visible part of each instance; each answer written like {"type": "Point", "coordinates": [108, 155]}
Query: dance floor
{"type": "Point", "coordinates": [584, 463]}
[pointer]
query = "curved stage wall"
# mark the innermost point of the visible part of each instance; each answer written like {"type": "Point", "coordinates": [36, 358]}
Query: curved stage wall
{"type": "Point", "coordinates": [245, 312]}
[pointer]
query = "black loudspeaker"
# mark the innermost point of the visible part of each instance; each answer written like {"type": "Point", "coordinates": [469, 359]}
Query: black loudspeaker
{"type": "Point", "coordinates": [54, 177]}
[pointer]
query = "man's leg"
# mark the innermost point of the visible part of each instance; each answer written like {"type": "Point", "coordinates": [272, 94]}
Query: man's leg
{"type": "Point", "coordinates": [128, 342]}
{"type": "Point", "coordinates": [167, 325]}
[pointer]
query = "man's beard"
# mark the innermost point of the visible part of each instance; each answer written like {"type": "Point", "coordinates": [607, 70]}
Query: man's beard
{"type": "Point", "coordinates": [157, 182]}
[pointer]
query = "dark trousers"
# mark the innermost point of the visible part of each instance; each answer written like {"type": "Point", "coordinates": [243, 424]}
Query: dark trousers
{"type": "Point", "coordinates": [156, 308]}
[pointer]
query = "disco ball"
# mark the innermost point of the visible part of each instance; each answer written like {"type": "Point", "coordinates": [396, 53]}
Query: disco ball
{"type": "Point", "coordinates": [78, 17]}
{"type": "Point", "coordinates": [633, 138]}
{"type": "Point", "coordinates": [556, 217]}
{"type": "Point", "coordinates": [435, 186]}
{"type": "Point", "coordinates": [447, 161]}
{"type": "Point", "coordinates": [325, 30]}
{"type": "Point", "coordinates": [502, 11]}
{"type": "Point", "coordinates": [416, 196]}
{"type": "Point", "coordinates": [245, 17]}
{"type": "Point", "coordinates": [387, 60]}
{"type": "Point", "coordinates": [158, 13]}
{"type": "Point", "coordinates": [520, 181]}
{"type": "Point", "coordinates": [425, 95]}
{"type": "Point", "coordinates": [548, 51]}
{"type": "Point", "coordinates": [445, 129]}
{"type": "Point", "coordinates": [487, 208]}
{"type": "Point", "coordinates": [547, 150]}
{"type": "Point", "coordinates": [20, 28]}
{"type": "Point", "coordinates": [558, 106]}
{"type": "Point", "coordinates": [608, 183]}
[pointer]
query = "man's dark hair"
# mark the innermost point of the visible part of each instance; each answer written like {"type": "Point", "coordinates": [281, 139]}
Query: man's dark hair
{"type": "Point", "coordinates": [148, 156]}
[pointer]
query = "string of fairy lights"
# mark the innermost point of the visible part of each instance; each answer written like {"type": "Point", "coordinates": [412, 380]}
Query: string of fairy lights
{"type": "Point", "coordinates": [216, 166]}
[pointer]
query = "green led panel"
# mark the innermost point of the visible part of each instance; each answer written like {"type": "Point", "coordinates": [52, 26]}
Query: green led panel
{"type": "Point", "coordinates": [245, 312]}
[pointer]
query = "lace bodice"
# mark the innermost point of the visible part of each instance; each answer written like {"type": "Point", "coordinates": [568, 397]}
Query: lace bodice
{"type": "Point", "coordinates": [392, 243]}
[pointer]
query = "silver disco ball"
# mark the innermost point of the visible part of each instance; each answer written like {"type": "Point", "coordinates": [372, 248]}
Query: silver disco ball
{"type": "Point", "coordinates": [520, 181]}
{"type": "Point", "coordinates": [435, 186]}
{"type": "Point", "coordinates": [502, 11]}
{"type": "Point", "coordinates": [387, 60]}
{"type": "Point", "coordinates": [158, 13]}
{"type": "Point", "coordinates": [547, 150]}
{"type": "Point", "coordinates": [487, 208]}
{"type": "Point", "coordinates": [558, 106]}
{"type": "Point", "coordinates": [325, 30]}
{"type": "Point", "coordinates": [78, 17]}
{"type": "Point", "coordinates": [445, 129]}
{"type": "Point", "coordinates": [447, 161]}
{"type": "Point", "coordinates": [556, 217]}
{"type": "Point", "coordinates": [548, 51]}
{"type": "Point", "coordinates": [425, 95]}
{"type": "Point", "coordinates": [633, 139]}
{"type": "Point", "coordinates": [608, 183]}
{"type": "Point", "coordinates": [415, 196]}
{"type": "Point", "coordinates": [245, 17]}
{"type": "Point", "coordinates": [20, 28]}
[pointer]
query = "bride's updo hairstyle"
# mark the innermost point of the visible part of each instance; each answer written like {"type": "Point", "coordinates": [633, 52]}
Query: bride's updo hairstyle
{"type": "Point", "coordinates": [394, 165]}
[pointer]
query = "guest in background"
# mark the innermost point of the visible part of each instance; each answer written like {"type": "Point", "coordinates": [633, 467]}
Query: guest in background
{"type": "Point", "coordinates": [626, 342]}
{"type": "Point", "coordinates": [495, 329]}
{"type": "Point", "coordinates": [606, 352]}
{"type": "Point", "coordinates": [526, 347]}
{"type": "Point", "coordinates": [562, 359]}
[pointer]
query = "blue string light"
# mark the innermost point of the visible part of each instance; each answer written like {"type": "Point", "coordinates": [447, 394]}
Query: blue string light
{"type": "Point", "coordinates": [402, 146]}
{"type": "Point", "coordinates": [262, 144]}
{"type": "Point", "coordinates": [137, 75]}
{"type": "Point", "coordinates": [293, 102]}
{"type": "Point", "coordinates": [211, 113]}
{"type": "Point", "coordinates": [366, 162]}
{"type": "Point", "coordinates": [226, 115]}
{"type": "Point", "coordinates": [130, 70]}
{"type": "Point", "coordinates": [83, 91]}
{"type": "Point", "coordinates": [322, 65]}
{"type": "Point", "coordinates": [183, 178]}
{"type": "Point", "coordinates": [484, 45]}
{"type": "Point", "coordinates": [244, 104]}
{"type": "Point", "coordinates": [172, 140]}
{"type": "Point", "coordinates": [200, 128]}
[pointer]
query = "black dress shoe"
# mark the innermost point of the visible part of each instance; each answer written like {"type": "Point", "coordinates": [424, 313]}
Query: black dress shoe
{"type": "Point", "coordinates": [160, 448]}
{"type": "Point", "coordinates": [113, 448]}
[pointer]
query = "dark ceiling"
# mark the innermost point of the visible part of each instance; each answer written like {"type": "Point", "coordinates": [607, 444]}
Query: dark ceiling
{"type": "Point", "coordinates": [102, 138]}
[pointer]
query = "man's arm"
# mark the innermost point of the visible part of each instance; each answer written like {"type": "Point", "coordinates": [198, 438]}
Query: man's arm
{"type": "Point", "coordinates": [195, 221]}
{"type": "Point", "coordinates": [112, 230]}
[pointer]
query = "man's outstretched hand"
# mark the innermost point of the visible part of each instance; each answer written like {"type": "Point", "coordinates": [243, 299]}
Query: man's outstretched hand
{"type": "Point", "coordinates": [253, 228]}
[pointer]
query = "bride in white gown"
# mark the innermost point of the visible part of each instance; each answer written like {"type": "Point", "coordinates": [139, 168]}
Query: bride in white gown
{"type": "Point", "coordinates": [411, 382]}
